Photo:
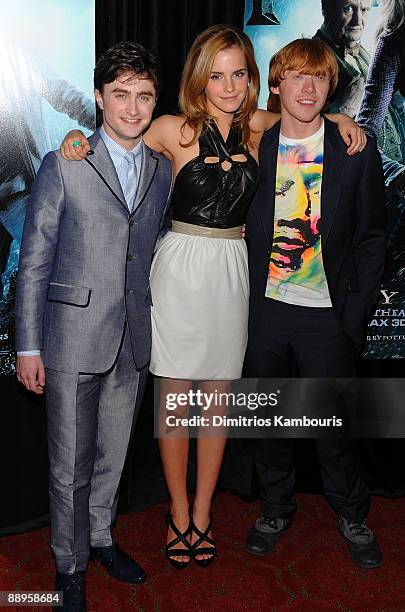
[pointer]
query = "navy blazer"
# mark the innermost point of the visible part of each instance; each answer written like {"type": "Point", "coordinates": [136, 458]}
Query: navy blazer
{"type": "Point", "coordinates": [352, 229]}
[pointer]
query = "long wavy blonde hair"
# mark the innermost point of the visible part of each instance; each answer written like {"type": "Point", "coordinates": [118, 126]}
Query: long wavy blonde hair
{"type": "Point", "coordinates": [197, 71]}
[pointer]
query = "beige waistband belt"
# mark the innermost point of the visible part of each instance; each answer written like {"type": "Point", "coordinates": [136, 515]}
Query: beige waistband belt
{"type": "Point", "coordinates": [231, 233]}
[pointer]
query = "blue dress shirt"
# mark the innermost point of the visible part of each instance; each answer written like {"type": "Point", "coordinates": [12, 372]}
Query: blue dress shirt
{"type": "Point", "coordinates": [117, 154]}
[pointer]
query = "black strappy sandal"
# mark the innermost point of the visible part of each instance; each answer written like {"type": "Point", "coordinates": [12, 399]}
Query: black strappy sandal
{"type": "Point", "coordinates": [203, 538]}
{"type": "Point", "coordinates": [180, 537]}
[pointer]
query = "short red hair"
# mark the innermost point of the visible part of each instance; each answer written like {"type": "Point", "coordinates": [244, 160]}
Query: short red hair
{"type": "Point", "coordinates": [307, 55]}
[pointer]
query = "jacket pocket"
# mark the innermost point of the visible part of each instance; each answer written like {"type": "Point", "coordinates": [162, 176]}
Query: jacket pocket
{"type": "Point", "coordinates": [69, 294]}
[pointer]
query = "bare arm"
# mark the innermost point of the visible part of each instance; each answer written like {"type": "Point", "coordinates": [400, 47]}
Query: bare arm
{"type": "Point", "coordinates": [263, 120]}
{"type": "Point", "coordinates": [162, 136]}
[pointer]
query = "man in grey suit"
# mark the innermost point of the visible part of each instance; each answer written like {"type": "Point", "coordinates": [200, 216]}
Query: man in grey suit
{"type": "Point", "coordinates": [83, 312]}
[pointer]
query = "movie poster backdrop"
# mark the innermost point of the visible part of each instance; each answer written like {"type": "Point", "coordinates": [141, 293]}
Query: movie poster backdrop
{"type": "Point", "coordinates": [46, 66]}
{"type": "Point", "coordinates": [362, 55]}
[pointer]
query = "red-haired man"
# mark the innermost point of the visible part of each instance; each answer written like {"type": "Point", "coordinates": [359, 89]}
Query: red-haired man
{"type": "Point", "coordinates": [316, 234]}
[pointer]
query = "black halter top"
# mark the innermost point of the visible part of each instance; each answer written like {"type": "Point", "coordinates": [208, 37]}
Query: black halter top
{"type": "Point", "coordinates": [206, 194]}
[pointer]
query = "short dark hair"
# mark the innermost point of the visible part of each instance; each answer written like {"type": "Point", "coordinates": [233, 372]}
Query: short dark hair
{"type": "Point", "coordinates": [125, 57]}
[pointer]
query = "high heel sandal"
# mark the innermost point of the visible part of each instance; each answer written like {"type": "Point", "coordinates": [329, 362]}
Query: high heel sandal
{"type": "Point", "coordinates": [203, 538]}
{"type": "Point", "coordinates": [180, 537]}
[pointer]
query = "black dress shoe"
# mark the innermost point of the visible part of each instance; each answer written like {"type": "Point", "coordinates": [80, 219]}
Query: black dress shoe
{"type": "Point", "coordinates": [262, 538]}
{"type": "Point", "coordinates": [363, 545]}
{"type": "Point", "coordinates": [73, 587]}
{"type": "Point", "coordinates": [118, 564]}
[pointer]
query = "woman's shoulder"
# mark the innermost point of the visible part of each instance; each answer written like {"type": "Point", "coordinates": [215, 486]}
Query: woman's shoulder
{"type": "Point", "coordinates": [173, 126]}
{"type": "Point", "coordinates": [164, 133]}
{"type": "Point", "coordinates": [168, 122]}
{"type": "Point", "coordinates": [263, 120]}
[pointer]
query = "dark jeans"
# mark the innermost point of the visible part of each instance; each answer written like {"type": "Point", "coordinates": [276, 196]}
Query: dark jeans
{"type": "Point", "coordinates": [308, 342]}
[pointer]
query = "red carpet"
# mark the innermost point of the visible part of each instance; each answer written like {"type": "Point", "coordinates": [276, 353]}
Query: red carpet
{"type": "Point", "coordinates": [309, 571]}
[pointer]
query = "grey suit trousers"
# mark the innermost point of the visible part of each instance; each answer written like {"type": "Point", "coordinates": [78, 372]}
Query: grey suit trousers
{"type": "Point", "coordinates": [90, 420]}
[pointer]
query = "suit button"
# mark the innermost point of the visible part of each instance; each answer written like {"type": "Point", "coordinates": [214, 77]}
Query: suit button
{"type": "Point", "coordinates": [130, 291]}
{"type": "Point", "coordinates": [130, 257]}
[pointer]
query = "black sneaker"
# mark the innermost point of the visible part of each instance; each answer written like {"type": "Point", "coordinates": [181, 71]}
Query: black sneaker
{"type": "Point", "coordinates": [73, 587]}
{"type": "Point", "coordinates": [264, 535]}
{"type": "Point", "coordinates": [363, 545]}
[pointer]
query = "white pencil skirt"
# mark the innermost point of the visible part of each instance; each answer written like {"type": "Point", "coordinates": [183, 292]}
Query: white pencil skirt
{"type": "Point", "coordinates": [200, 295]}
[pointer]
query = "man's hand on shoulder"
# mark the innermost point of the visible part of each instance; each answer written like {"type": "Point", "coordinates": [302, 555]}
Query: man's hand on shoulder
{"type": "Point", "coordinates": [31, 372]}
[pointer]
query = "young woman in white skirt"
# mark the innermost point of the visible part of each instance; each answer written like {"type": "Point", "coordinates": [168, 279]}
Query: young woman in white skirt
{"type": "Point", "coordinates": [199, 276]}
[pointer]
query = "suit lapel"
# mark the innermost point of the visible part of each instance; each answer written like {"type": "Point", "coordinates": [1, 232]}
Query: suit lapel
{"type": "Point", "coordinates": [269, 161]}
{"type": "Point", "coordinates": [333, 168]}
{"type": "Point", "coordinates": [103, 165]}
{"type": "Point", "coordinates": [149, 165]}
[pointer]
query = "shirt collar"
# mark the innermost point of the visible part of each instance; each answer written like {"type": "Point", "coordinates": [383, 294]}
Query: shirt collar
{"type": "Point", "coordinates": [118, 152]}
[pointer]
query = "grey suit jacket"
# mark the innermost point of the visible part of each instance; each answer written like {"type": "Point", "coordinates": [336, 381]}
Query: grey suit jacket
{"type": "Point", "coordinates": [85, 261]}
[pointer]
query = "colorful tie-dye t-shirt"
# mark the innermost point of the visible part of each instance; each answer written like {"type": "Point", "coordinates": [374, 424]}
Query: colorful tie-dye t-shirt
{"type": "Point", "coordinates": [296, 271]}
